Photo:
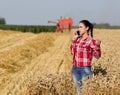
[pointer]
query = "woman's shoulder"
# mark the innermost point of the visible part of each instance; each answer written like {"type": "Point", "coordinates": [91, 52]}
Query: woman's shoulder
{"type": "Point", "coordinates": [91, 39]}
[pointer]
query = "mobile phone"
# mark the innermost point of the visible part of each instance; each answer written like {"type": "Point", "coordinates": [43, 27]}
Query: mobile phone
{"type": "Point", "coordinates": [78, 32]}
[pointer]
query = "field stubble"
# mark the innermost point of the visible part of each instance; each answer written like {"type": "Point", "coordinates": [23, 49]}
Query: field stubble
{"type": "Point", "coordinates": [39, 64]}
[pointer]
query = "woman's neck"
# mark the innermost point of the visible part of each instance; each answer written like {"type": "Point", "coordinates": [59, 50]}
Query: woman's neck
{"type": "Point", "coordinates": [85, 36]}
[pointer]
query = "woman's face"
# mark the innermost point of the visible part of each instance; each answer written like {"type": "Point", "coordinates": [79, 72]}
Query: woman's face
{"type": "Point", "coordinates": [82, 28]}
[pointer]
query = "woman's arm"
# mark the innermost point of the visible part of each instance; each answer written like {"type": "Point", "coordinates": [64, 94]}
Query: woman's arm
{"type": "Point", "coordinates": [73, 43]}
{"type": "Point", "coordinates": [96, 48]}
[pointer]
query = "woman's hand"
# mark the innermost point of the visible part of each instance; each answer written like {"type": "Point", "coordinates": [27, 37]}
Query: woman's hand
{"type": "Point", "coordinates": [75, 36]}
{"type": "Point", "coordinates": [98, 42]}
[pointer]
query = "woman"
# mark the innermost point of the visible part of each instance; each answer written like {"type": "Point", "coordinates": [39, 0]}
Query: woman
{"type": "Point", "coordinates": [83, 48]}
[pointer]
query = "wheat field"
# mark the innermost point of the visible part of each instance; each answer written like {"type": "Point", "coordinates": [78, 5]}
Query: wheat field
{"type": "Point", "coordinates": [40, 64]}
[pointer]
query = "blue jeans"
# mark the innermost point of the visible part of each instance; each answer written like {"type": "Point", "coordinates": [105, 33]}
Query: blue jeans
{"type": "Point", "coordinates": [78, 73]}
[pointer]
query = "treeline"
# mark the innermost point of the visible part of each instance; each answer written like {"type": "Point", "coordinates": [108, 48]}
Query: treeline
{"type": "Point", "coordinates": [28, 28]}
{"type": "Point", "coordinates": [105, 26]}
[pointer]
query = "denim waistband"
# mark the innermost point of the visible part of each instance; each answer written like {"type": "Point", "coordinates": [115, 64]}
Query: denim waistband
{"type": "Point", "coordinates": [80, 67]}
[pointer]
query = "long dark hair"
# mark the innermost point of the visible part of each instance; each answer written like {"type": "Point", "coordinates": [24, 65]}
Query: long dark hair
{"type": "Point", "coordinates": [88, 24]}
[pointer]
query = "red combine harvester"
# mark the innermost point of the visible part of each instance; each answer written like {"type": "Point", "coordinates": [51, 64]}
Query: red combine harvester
{"type": "Point", "coordinates": [63, 23]}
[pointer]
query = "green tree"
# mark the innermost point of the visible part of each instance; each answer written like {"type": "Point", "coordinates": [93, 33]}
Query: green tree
{"type": "Point", "coordinates": [2, 21]}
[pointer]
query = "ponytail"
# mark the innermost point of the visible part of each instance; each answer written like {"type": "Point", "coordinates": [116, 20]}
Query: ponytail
{"type": "Point", "coordinates": [91, 29]}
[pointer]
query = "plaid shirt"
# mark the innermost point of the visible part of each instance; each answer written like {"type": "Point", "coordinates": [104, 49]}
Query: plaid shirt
{"type": "Point", "coordinates": [83, 51]}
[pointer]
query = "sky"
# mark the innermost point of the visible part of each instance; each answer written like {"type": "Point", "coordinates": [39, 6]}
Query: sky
{"type": "Point", "coordinates": [38, 12]}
